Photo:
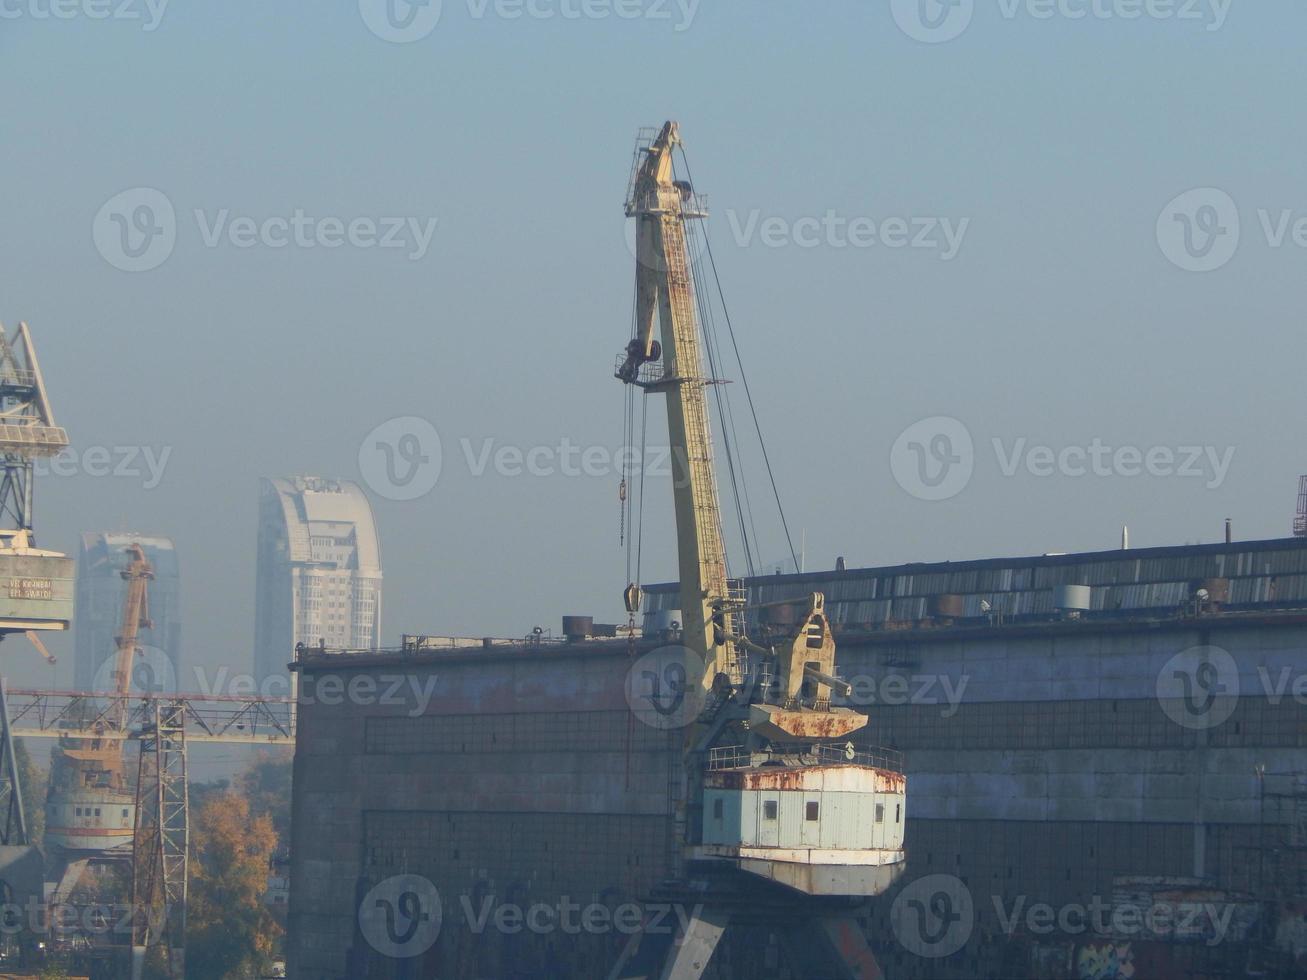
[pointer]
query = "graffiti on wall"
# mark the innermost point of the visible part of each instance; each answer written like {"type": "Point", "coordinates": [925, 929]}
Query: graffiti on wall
{"type": "Point", "coordinates": [1105, 961]}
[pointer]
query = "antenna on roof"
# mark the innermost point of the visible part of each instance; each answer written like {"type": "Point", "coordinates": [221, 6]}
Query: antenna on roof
{"type": "Point", "coordinates": [1300, 521]}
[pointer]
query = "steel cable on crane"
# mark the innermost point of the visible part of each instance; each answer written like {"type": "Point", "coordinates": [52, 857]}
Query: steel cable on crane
{"type": "Point", "coordinates": [753, 411]}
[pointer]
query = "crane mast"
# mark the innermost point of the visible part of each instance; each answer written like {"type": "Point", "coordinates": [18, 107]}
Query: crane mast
{"type": "Point", "coordinates": [772, 823]}
{"type": "Point", "coordinates": [136, 616]}
{"type": "Point", "coordinates": [664, 301]}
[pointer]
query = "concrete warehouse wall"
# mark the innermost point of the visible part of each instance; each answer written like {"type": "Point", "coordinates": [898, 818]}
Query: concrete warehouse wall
{"type": "Point", "coordinates": [1041, 763]}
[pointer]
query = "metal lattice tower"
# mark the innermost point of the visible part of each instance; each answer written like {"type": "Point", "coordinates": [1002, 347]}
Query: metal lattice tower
{"type": "Point", "coordinates": [161, 842]}
{"type": "Point", "coordinates": [27, 427]}
{"type": "Point", "coordinates": [1300, 521]}
{"type": "Point", "coordinates": [14, 831]}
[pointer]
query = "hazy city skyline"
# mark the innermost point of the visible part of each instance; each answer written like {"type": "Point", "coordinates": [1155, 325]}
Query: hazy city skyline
{"type": "Point", "coordinates": [238, 356]}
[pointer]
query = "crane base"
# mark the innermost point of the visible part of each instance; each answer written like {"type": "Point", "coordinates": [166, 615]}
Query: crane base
{"type": "Point", "coordinates": [820, 940]}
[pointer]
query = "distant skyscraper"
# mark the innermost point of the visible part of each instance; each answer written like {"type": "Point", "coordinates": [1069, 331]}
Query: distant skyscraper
{"type": "Point", "coordinates": [100, 591]}
{"type": "Point", "coordinates": [319, 571]}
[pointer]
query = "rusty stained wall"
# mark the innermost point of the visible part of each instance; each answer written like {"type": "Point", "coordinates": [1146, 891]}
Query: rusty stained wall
{"type": "Point", "coordinates": [1054, 773]}
{"type": "Point", "coordinates": [521, 776]}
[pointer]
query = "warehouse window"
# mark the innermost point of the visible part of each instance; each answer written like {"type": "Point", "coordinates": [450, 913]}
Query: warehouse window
{"type": "Point", "coordinates": [898, 812]}
{"type": "Point", "coordinates": [813, 809]}
{"type": "Point", "coordinates": [717, 809]}
{"type": "Point", "coordinates": [880, 813]}
{"type": "Point", "coordinates": [769, 809]}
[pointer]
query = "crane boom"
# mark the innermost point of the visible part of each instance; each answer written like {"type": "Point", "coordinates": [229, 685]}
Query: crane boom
{"type": "Point", "coordinates": [664, 297]}
{"type": "Point", "coordinates": [136, 616]}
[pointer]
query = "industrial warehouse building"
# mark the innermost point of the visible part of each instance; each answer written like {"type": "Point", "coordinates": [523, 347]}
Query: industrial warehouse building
{"type": "Point", "coordinates": [1123, 728]}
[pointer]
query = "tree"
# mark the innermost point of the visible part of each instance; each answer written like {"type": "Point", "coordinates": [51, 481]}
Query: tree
{"type": "Point", "coordinates": [34, 780]}
{"type": "Point", "coordinates": [266, 783]}
{"type": "Point", "coordinates": [230, 932]}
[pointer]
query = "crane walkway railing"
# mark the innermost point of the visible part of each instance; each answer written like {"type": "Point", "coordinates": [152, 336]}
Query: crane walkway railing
{"type": "Point", "coordinates": [843, 754]}
{"type": "Point", "coordinates": [208, 718]}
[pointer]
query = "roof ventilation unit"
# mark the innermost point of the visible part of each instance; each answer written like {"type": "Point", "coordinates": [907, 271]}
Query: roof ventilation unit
{"type": "Point", "coordinates": [1072, 600]}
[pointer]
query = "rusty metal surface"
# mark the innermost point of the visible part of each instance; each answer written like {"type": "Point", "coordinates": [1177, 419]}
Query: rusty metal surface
{"type": "Point", "coordinates": [774, 722]}
{"type": "Point", "coordinates": [812, 778]}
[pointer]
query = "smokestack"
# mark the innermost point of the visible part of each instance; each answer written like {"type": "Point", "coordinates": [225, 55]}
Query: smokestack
{"type": "Point", "coordinates": [1229, 530]}
{"type": "Point", "coordinates": [1125, 537]}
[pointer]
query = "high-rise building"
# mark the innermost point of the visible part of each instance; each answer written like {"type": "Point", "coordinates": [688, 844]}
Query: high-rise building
{"type": "Point", "coordinates": [100, 591]}
{"type": "Point", "coordinates": [319, 571]}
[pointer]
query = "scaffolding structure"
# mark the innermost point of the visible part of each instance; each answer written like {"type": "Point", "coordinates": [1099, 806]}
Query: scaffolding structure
{"type": "Point", "coordinates": [1300, 519]}
{"type": "Point", "coordinates": [160, 844]}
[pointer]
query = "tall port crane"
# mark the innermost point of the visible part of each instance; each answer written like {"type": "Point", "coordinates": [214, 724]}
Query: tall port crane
{"type": "Point", "coordinates": [136, 616]}
{"type": "Point", "coordinates": [778, 817]}
{"type": "Point", "coordinates": [90, 807]}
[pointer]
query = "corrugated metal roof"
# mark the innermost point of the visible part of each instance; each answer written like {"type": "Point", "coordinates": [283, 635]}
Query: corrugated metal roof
{"type": "Point", "coordinates": [1124, 583]}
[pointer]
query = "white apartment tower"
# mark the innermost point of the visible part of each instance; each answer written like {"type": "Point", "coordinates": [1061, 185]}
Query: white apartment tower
{"type": "Point", "coordinates": [319, 571]}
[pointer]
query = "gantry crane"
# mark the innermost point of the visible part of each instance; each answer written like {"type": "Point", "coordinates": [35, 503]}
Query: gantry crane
{"type": "Point", "coordinates": [754, 840]}
{"type": "Point", "coordinates": [38, 585]}
{"type": "Point", "coordinates": [38, 596]}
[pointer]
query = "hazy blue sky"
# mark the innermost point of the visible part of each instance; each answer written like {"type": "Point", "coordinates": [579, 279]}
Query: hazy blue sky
{"type": "Point", "coordinates": [1060, 319]}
